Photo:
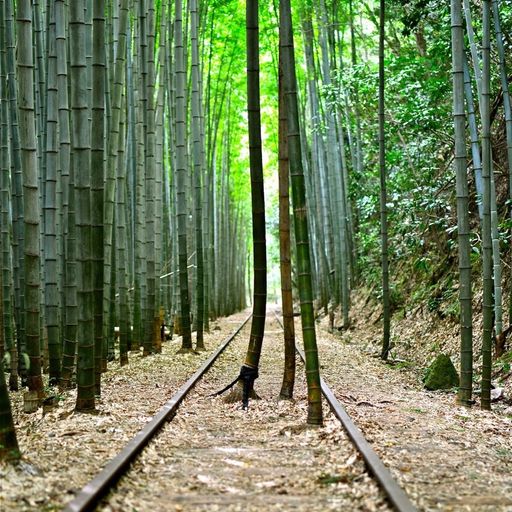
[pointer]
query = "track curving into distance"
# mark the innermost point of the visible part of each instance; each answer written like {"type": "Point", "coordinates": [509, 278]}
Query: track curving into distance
{"type": "Point", "coordinates": [100, 485]}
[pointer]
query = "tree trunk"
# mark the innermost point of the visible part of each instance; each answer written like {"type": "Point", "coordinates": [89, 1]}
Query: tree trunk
{"type": "Point", "coordinates": [386, 309]}
{"type": "Point", "coordinates": [315, 416]}
{"type": "Point", "coordinates": [9, 449]}
{"type": "Point", "coordinates": [459, 120]}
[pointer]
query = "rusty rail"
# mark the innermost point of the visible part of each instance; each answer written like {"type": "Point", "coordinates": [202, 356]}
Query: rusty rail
{"type": "Point", "coordinates": [100, 485]}
{"type": "Point", "coordinates": [396, 495]}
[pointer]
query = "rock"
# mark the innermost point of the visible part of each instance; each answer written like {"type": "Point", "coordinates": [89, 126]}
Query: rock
{"type": "Point", "coordinates": [441, 374]}
{"type": "Point", "coordinates": [497, 394]}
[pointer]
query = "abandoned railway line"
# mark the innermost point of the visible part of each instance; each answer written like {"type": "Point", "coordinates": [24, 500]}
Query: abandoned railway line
{"type": "Point", "coordinates": [214, 456]}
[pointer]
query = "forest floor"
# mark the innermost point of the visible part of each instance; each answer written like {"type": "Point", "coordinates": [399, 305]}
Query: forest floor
{"type": "Point", "coordinates": [214, 456]}
{"type": "Point", "coordinates": [62, 450]}
{"type": "Point", "coordinates": [446, 457]}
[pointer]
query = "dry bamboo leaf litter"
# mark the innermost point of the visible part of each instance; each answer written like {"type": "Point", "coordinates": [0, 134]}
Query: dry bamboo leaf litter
{"type": "Point", "coordinates": [63, 450]}
{"type": "Point", "coordinates": [214, 456]}
{"type": "Point", "coordinates": [446, 457]}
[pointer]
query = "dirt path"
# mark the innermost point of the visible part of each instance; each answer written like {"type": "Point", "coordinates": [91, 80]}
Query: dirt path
{"type": "Point", "coordinates": [214, 456]}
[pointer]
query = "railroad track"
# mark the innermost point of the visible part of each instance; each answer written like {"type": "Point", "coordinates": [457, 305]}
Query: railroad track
{"type": "Point", "coordinates": [90, 496]}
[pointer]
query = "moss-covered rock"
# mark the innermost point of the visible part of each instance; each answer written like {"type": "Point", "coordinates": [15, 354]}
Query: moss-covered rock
{"type": "Point", "coordinates": [441, 374]}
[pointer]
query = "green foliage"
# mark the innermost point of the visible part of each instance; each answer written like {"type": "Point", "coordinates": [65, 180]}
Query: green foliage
{"type": "Point", "coordinates": [504, 453]}
{"type": "Point", "coordinates": [416, 410]}
{"type": "Point", "coordinates": [503, 365]}
{"type": "Point", "coordinates": [418, 109]}
{"type": "Point", "coordinates": [401, 365]}
{"type": "Point", "coordinates": [329, 479]}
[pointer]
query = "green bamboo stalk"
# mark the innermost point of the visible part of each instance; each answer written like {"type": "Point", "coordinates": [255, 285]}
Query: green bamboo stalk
{"type": "Point", "coordinates": [112, 316]}
{"type": "Point", "coordinates": [197, 142]}
{"type": "Point", "coordinates": [359, 167]}
{"type": "Point", "coordinates": [160, 154]}
{"type": "Point", "coordinates": [148, 55]}
{"type": "Point", "coordinates": [496, 258]}
{"type": "Point", "coordinates": [338, 172]}
{"type": "Point", "coordinates": [68, 198]}
{"type": "Point", "coordinates": [386, 309]}
{"type": "Point", "coordinates": [5, 219]}
{"type": "Point", "coordinates": [140, 261]}
{"type": "Point", "coordinates": [28, 143]}
{"type": "Point", "coordinates": [170, 215]}
{"type": "Point", "coordinates": [70, 290]}
{"type": "Point", "coordinates": [142, 59]}
{"type": "Point", "coordinates": [315, 416]}
{"type": "Point", "coordinates": [40, 93]}
{"type": "Point", "coordinates": [81, 145]}
{"type": "Point", "coordinates": [252, 357]}
{"type": "Point", "coordinates": [51, 295]}
{"type": "Point", "coordinates": [325, 247]}
{"type": "Point", "coordinates": [284, 245]}
{"type": "Point", "coordinates": [3, 345]}
{"type": "Point", "coordinates": [473, 131]}
{"type": "Point", "coordinates": [99, 77]}
{"type": "Point", "coordinates": [460, 164]}
{"type": "Point", "coordinates": [110, 183]}
{"type": "Point", "coordinates": [507, 108]}
{"type": "Point", "coordinates": [88, 49]}
{"type": "Point", "coordinates": [17, 189]}
{"type": "Point", "coordinates": [181, 177]}
{"type": "Point", "coordinates": [204, 209]}
{"type": "Point", "coordinates": [334, 170]}
{"type": "Point", "coordinates": [331, 161]}
{"type": "Point", "coordinates": [486, 223]}
{"type": "Point", "coordinates": [473, 48]}
{"type": "Point", "coordinates": [137, 200]}
{"type": "Point", "coordinates": [121, 255]}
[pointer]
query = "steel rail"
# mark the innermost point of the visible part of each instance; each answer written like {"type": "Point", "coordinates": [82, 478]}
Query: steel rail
{"type": "Point", "coordinates": [91, 493]}
{"type": "Point", "coordinates": [376, 467]}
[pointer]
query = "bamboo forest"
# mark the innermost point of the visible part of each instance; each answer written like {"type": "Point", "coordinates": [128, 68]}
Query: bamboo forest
{"type": "Point", "coordinates": [256, 255]}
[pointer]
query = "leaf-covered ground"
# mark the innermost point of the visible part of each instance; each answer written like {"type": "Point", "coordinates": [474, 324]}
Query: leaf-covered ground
{"type": "Point", "coordinates": [214, 456]}
{"type": "Point", "coordinates": [63, 450]}
{"type": "Point", "coordinates": [445, 456]}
